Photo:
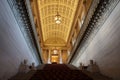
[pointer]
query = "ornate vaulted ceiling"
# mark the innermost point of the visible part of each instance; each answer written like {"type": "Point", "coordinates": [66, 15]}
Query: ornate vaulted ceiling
{"type": "Point", "coordinates": [60, 37]}
{"type": "Point", "coordinates": [56, 34]}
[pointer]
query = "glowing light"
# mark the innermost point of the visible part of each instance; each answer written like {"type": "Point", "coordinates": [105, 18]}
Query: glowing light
{"type": "Point", "coordinates": [57, 19]}
{"type": "Point", "coordinates": [55, 51]}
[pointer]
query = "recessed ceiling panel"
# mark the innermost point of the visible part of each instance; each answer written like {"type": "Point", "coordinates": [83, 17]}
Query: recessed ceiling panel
{"type": "Point", "coordinates": [48, 10]}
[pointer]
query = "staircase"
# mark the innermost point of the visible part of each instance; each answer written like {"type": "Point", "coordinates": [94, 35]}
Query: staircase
{"type": "Point", "coordinates": [59, 72]}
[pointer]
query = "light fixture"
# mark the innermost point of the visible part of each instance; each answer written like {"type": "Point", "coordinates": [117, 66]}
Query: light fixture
{"type": "Point", "coordinates": [55, 51]}
{"type": "Point", "coordinates": [57, 17]}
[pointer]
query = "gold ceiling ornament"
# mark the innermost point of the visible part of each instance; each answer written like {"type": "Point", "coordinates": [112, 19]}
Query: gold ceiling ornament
{"type": "Point", "coordinates": [57, 16]}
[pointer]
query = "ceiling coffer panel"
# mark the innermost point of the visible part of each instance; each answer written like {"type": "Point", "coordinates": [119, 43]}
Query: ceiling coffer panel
{"type": "Point", "coordinates": [48, 9]}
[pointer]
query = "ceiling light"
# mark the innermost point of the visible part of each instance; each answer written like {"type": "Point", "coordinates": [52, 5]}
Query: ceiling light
{"type": "Point", "coordinates": [57, 17]}
{"type": "Point", "coordinates": [55, 51]}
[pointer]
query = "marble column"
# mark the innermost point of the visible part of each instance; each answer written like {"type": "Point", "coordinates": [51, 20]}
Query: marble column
{"type": "Point", "coordinates": [60, 57]}
{"type": "Point", "coordinates": [68, 51]}
{"type": "Point", "coordinates": [49, 62]}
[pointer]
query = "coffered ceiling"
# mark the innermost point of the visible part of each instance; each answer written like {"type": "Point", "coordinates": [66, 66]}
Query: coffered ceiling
{"type": "Point", "coordinates": [62, 36]}
{"type": "Point", "coordinates": [56, 34]}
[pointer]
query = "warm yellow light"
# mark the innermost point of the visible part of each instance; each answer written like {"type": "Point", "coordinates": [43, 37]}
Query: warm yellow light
{"type": "Point", "coordinates": [55, 51]}
{"type": "Point", "coordinates": [57, 19]}
{"type": "Point", "coordinates": [54, 60]}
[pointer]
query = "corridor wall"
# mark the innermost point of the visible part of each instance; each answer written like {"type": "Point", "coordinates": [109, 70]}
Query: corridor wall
{"type": "Point", "coordinates": [105, 47]}
{"type": "Point", "coordinates": [13, 46]}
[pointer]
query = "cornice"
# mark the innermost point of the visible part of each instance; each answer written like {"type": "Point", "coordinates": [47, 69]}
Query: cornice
{"type": "Point", "coordinates": [101, 13]}
{"type": "Point", "coordinates": [39, 21]}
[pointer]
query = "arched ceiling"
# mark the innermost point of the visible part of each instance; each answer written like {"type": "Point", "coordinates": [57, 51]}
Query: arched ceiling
{"type": "Point", "coordinates": [47, 10]}
{"type": "Point", "coordinates": [55, 42]}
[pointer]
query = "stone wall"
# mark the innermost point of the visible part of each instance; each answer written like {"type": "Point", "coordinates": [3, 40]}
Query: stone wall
{"type": "Point", "coordinates": [105, 47]}
{"type": "Point", "coordinates": [13, 46]}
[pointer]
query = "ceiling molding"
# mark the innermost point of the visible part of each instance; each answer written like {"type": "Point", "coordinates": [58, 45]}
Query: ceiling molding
{"type": "Point", "coordinates": [38, 21]}
{"type": "Point", "coordinates": [52, 48]}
